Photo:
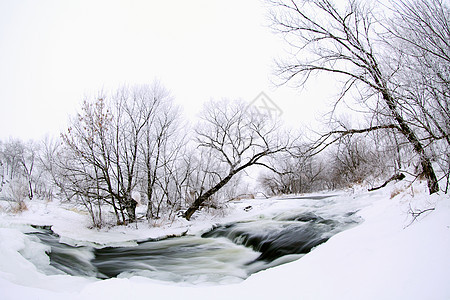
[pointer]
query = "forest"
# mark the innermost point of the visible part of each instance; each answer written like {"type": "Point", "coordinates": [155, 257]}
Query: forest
{"type": "Point", "coordinates": [132, 146]}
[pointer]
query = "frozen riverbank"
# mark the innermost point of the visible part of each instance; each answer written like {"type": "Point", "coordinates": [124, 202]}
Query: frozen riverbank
{"type": "Point", "coordinates": [383, 258]}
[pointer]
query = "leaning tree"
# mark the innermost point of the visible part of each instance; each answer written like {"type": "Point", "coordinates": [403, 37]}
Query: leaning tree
{"type": "Point", "coordinates": [348, 42]}
{"type": "Point", "coordinates": [237, 138]}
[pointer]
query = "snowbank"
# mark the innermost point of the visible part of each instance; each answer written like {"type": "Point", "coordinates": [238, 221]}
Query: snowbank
{"type": "Point", "coordinates": [386, 257]}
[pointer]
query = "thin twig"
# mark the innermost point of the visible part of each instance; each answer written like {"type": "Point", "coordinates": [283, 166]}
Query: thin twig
{"type": "Point", "coordinates": [416, 214]}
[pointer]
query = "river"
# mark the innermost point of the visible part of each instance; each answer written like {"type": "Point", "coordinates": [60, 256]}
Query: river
{"type": "Point", "coordinates": [224, 254]}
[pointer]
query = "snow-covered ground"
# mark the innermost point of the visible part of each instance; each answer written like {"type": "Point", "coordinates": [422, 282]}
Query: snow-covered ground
{"type": "Point", "coordinates": [385, 257]}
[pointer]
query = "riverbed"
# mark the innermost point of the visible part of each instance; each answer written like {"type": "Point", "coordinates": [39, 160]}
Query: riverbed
{"type": "Point", "coordinates": [225, 253]}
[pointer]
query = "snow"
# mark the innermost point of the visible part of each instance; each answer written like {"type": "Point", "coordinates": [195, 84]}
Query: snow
{"type": "Point", "coordinates": [385, 257]}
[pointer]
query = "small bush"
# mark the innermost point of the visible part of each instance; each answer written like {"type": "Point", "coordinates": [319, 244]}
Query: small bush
{"type": "Point", "coordinates": [396, 192]}
{"type": "Point", "coordinates": [15, 193]}
{"type": "Point", "coordinates": [18, 207]}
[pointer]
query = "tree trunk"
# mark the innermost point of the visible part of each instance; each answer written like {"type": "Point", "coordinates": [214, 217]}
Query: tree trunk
{"type": "Point", "coordinates": [130, 206]}
{"type": "Point", "coordinates": [425, 162]}
{"type": "Point", "coordinates": [149, 213]}
{"type": "Point", "coordinates": [202, 198]}
{"type": "Point", "coordinates": [30, 189]}
{"type": "Point", "coordinates": [399, 176]}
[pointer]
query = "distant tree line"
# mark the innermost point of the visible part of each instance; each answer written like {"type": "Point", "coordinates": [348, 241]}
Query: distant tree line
{"type": "Point", "coordinates": [352, 160]}
{"type": "Point", "coordinates": [132, 147]}
{"type": "Point", "coordinates": [22, 174]}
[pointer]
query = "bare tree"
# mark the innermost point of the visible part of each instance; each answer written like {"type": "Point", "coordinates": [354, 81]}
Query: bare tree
{"type": "Point", "coordinates": [103, 149]}
{"type": "Point", "coordinates": [12, 152]}
{"type": "Point", "coordinates": [351, 160]}
{"type": "Point", "coordinates": [49, 162]}
{"type": "Point", "coordinates": [238, 139]}
{"type": "Point", "coordinates": [296, 174]}
{"type": "Point", "coordinates": [21, 174]}
{"type": "Point", "coordinates": [28, 159]}
{"type": "Point", "coordinates": [345, 43]}
{"type": "Point", "coordinates": [161, 145]}
{"type": "Point", "coordinates": [204, 173]}
{"type": "Point", "coordinates": [130, 121]}
{"type": "Point", "coordinates": [84, 160]}
{"type": "Point", "coordinates": [419, 32]}
{"type": "Point", "coordinates": [354, 160]}
{"type": "Point", "coordinates": [18, 160]}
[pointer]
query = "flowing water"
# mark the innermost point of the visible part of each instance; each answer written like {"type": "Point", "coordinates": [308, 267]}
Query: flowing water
{"type": "Point", "coordinates": [226, 253]}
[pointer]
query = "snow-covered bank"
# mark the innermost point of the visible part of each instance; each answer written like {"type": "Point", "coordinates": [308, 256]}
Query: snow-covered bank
{"type": "Point", "coordinates": [383, 258]}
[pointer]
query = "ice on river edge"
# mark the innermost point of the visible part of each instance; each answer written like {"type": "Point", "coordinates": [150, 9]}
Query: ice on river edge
{"type": "Point", "coordinates": [383, 258]}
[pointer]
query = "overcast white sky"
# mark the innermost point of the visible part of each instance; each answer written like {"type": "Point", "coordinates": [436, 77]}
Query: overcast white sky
{"type": "Point", "coordinates": [53, 52]}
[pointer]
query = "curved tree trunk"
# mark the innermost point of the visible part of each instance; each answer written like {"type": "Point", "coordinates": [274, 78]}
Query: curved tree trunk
{"type": "Point", "coordinates": [203, 197]}
{"type": "Point", "coordinates": [425, 162]}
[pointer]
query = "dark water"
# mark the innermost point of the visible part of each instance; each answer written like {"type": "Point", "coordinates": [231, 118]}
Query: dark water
{"type": "Point", "coordinates": [276, 238]}
{"type": "Point", "coordinates": [226, 253]}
